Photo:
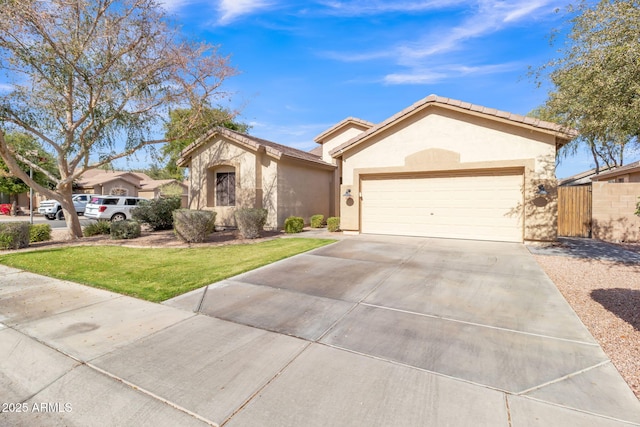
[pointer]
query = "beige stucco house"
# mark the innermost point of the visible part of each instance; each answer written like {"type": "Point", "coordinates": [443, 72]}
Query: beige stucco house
{"type": "Point", "coordinates": [439, 168]}
{"type": "Point", "coordinates": [229, 170]}
{"type": "Point", "coordinates": [137, 184]}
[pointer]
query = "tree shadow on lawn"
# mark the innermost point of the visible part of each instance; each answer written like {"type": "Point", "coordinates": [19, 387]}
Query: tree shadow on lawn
{"type": "Point", "coordinates": [624, 303]}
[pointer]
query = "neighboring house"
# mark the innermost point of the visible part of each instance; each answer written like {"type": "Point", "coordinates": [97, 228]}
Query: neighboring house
{"type": "Point", "coordinates": [627, 173]}
{"type": "Point", "coordinates": [135, 184]}
{"type": "Point", "coordinates": [440, 168]}
{"type": "Point", "coordinates": [229, 170]}
{"type": "Point", "coordinates": [98, 181]}
{"type": "Point", "coordinates": [582, 178]}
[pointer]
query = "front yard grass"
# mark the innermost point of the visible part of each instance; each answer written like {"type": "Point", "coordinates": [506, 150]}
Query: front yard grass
{"type": "Point", "coordinates": [155, 274]}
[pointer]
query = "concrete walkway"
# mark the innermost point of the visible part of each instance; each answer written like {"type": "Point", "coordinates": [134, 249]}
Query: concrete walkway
{"type": "Point", "coordinates": [369, 331]}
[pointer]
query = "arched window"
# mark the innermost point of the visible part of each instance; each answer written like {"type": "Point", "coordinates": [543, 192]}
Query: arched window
{"type": "Point", "coordinates": [225, 188]}
{"type": "Point", "coordinates": [119, 191]}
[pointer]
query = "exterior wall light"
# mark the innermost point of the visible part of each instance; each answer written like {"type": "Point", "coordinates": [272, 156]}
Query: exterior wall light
{"type": "Point", "coordinates": [541, 190]}
{"type": "Point", "coordinates": [347, 193]}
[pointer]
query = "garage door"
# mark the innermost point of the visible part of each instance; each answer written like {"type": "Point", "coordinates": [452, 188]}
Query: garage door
{"type": "Point", "coordinates": [466, 206]}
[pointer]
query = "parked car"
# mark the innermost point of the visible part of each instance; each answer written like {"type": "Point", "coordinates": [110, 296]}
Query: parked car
{"type": "Point", "coordinates": [51, 209]}
{"type": "Point", "coordinates": [111, 208]}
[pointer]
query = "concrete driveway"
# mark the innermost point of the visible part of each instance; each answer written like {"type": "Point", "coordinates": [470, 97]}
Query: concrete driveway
{"type": "Point", "coordinates": [368, 331]}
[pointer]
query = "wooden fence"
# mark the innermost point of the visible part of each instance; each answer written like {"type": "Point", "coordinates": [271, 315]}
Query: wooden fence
{"type": "Point", "coordinates": [574, 211]}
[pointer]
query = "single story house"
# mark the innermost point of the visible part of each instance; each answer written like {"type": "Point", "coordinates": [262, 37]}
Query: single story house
{"type": "Point", "coordinates": [582, 178]}
{"type": "Point", "coordinates": [229, 170]}
{"type": "Point", "coordinates": [137, 184]}
{"type": "Point", "coordinates": [439, 168]}
{"type": "Point", "coordinates": [627, 173]}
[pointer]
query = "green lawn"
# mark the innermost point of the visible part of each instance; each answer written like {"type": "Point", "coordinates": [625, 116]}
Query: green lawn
{"type": "Point", "coordinates": [156, 274]}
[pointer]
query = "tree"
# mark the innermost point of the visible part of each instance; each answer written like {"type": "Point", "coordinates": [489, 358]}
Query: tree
{"type": "Point", "coordinates": [93, 80]}
{"type": "Point", "coordinates": [29, 148]}
{"type": "Point", "coordinates": [182, 131]}
{"type": "Point", "coordinates": [597, 79]}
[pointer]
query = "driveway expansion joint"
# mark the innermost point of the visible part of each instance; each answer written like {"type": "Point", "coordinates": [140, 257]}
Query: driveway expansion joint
{"type": "Point", "coordinates": [151, 394]}
{"type": "Point", "coordinates": [481, 325]}
{"type": "Point", "coordinates": [563, 378]}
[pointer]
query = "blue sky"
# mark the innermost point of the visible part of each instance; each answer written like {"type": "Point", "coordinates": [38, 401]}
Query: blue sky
{"type": "Point", "coordinates": [306, 65]}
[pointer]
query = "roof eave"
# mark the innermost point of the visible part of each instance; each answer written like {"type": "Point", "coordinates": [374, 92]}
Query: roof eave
{"type": "Point", "coordinates": [558, 131]}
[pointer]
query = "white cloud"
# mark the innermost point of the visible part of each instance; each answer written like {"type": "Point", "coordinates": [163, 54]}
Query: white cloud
{"type": "Point", "coordinates": [4, 87]}
{"type": "Point", "coordinates": [491, 16]}
{"type": "Point", "coordinates": [416, 77]}
{"type": "Point", "coordinates": [231, 10]}
{"type": "Point", "coordinates": [438, 74]}
{"type": "Point", "coordinates": [359, 7]}
{"type": "Point", "coordinates": [485, 18]}
{"type": "Point", "coordinates": [173, 5]}
{"type": "Point", "coordinates": [298, 136]}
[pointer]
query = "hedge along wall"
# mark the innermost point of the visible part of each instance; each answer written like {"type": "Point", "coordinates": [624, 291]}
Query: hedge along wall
{"type": "Point", "coordinates": [613, 211]}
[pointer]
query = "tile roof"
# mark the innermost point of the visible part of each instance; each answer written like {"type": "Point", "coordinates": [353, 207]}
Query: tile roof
{"type": "Point", "coordinates": [631, 167]}
{"type": "Point", "coordinates": [94, 177]}
{"type": "Point", "coordinates": [316, 151]}
{"type": "Point", "coordinates": [340, 125]}
{"type": "Point", "coordinates": [561, 131]}
{"type": "Point", "coordinates": [273, 148]}
{"type": "Point", "coordinates": [577, 179]}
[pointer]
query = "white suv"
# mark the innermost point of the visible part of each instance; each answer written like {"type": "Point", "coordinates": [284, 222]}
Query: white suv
{"type": "Point", "coordinates": [51, 209]}
{"type": "Point", "coordinates": [114, 208]}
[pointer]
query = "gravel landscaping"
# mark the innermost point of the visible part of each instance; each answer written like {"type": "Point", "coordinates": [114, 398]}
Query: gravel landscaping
{"type": "Point", "coordinates": [606, 297]}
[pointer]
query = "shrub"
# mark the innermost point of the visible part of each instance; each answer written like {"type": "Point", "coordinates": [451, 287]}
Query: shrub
{"type": "Point", "coordinates": [14, 235]}
{"type": "Point", "coordinates": [156, 213]}
{"type": "Point", "coordinates": [333, 223]}
{"type": "Point", "coordinates": [127, 229]}
{"type": "Point", "coordinates": [39, 233]}
{"type": "Point", "coordinates": [98, 227]}
{"type": "Point", "coordinates": [193, 226]}
{"type": "Point", "coordinates": [250, 221]}
{"type": "Point", "coordinates": [293, 224]}
{"type": "Point", "coordinates": [317, 221]}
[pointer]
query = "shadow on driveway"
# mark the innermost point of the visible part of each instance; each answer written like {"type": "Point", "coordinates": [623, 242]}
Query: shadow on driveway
{"type": "Point", "coordinates": [589, 249]}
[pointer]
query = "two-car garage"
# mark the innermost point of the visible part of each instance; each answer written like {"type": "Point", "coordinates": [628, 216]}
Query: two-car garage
{"type": "Point", "coordinates": [480, 205]}
{"type": "Point", "coordinates": [450, 169]}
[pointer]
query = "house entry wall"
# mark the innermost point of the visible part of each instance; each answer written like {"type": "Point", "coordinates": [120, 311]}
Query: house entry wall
{"type": "Point", "coordinates": [473, 205]}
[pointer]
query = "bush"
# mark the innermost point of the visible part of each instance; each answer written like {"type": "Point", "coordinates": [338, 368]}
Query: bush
{"type": "Point", "coordinates": [156, 213]}
{"type": "Point", "coordinates": [293, 224]}
{"type": "Point", "coordinates": [14, 235]}
{"type": "Point", "coordinates": [193, 226]}
{"type": "Point", "coordinates": [317, 221]}
{"type": "Point", "coordinates": [127, 229]}
{"type": "Point", "coordinates": [98, 227]}
{"type": "Point", "coordinates": [39, 233]}
{"type": "Point", "coordinates": [333, 223]}
{"type": "Point", "coordinates": [250, 221]}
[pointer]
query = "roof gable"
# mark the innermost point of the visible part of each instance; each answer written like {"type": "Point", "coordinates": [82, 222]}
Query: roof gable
{"type": "Point", "coordinates": [467, 108]}
{"type": "Point", "coordinates": [349, 122]}
{"type": "Point", "coordinates": [94, 177]}
{"type": "Point", "coordinates": [253, 143]}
